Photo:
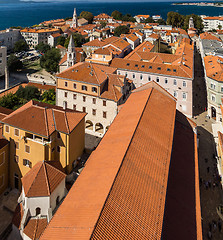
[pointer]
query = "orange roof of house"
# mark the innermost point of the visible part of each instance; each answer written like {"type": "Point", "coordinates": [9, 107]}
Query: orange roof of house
{"type": "Point", "coordinates": [131, 37]}
{"type": "Point", "coordinates": [209, 36]}
{"type": "Point", "coordinates": [30, 30]}
{"type": "Point", "coordinates": [60, 47]}
{"type": "Point", "coordinates": [144, 16]}
{"type": "Point", "coordinates": [103, 51]}
{"type": "Point", "coordinates": [43, 119]}
{"type": "Point", "coordinates": [35, 228]}
{"type": "Point", "coordinates": [214, 67]}
{"type": "Point", "coordinates": [56, 35]}
{"type": "Point", "coordinates": [87, 72]}
{"type": "Point", "coordinates": [102, 15]}
{"type": "Point", "coordinates": [42, 174]}
{"type": "Point", "coordinates": [110, 199]}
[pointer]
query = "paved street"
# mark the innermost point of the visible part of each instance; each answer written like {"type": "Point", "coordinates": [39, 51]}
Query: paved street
{"type": "Point", "coordinates": [211, 195]}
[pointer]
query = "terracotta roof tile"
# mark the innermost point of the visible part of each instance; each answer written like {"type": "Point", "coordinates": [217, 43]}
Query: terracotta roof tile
{"type": "Point", "coordinates": [44, 175]}
{"type": "Point", "coordinates": [214, 67]}
{"type": "Point", "coordinates": [35, 228]}
{"type": "Point", "coordinates": [39, 118]}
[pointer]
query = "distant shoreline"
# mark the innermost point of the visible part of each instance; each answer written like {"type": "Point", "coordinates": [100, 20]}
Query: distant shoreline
{"type": "Point", "coordinates": [200, 4]}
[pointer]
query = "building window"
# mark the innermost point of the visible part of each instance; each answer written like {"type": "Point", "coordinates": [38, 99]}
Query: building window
{"type": "Point", "coordinates": [84, 109]}
{"type": "Point", "coordinates": [184, 84]}
{"type": "Point", "coordinates": [16, 159]}
{"type": "Point", "coordinates": [65, 94]}
{"type": "Point", "coordinates": [94, 89]}
{"type": "Point", "coordinates": [104, 103]}
{"type": "Point", "coordinates": [27, 149]}
{"type": "Point", "coordinates": [74, 107]}
{"type": "Point", "coordinates": [166, 80]}
{"type": "Point", "coordinates": [65, 105]}
{"type": "Point", "coordinates": [133, 75]}
{"type": "Point", "coordinates": [58, 149]}
{"type": "Point", "coordinates": [7, 129]}
{"type": "Point", "coordinates": [175, 94]}
{"type": "Point", "coordinates": [74, 96]}
{"type": "Point", "coordinates": [104, 114]}
{"type": "Point", "coordinates": [213, 98]}
{"type": "Point", "coordinates": [221, 89]}
{"type": "Point", "coordinates": [65, 84]}
{"type": "Point", "coordinates": [184, 95]}
{"type": "Point", "coordinates": [149, 78]}
{"type": "Point", "coordinates": [74, 85]}
{"type": "Point", "coordinates": [141, 77]}
{"type": "Point", "coordinates": [58, 135]}
{"type": "Point", "coordinates": [84, 88]}
{"type": "Point", "coordinates": [126, 74]}
{"type": "Point", "coordinates": [16, 132]}
{"type": "Point", "coordinates": [94, 112]}
{"type": "Point", "coordinates": [94, 100]}
{"type": "Point", "coordinates": [157, 79]}
{"type": "Point", "coordinates": [27, 163]}
{"type": "Point", "coordinates": [174, 82]}
{"type": "Point", "coordinates": [84, 99]}
{"type": "Point", "coordinates": [16, 145]}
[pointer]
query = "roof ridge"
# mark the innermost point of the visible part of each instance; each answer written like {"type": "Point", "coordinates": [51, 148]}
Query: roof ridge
{"type": "Point", "coordinates": [35, 229]}
{"type": "Point", "coordinates": [54, 119]}
{"type": "Point", "coordinates": [46, 119]}
{"type": "Point", "coordinates": [95, 72]}
{"type": "Point", "coordinates": [46, 163]}
{"type": "Point", "coordinates": [47, 182]}
{"type": "Point", "coordinates": [66, 121]}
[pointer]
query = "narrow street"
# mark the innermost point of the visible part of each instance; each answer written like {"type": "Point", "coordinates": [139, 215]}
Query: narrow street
{"type": "Point", "coordinates": [210, 189]}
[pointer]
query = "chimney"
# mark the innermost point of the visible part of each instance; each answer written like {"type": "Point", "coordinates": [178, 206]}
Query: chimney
{"type": "Point", "coordinates": [6, 78]}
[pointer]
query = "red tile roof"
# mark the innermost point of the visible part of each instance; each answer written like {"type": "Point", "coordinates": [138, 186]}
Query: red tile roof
{"type": "Point", "coordinates": [42, 119]}
{"type": "Point", "coordinates": [114, 203]}
{"type": "Point", "coordinates": [35, 228]}
{"type": "Point", "coordinates": [42, 174]}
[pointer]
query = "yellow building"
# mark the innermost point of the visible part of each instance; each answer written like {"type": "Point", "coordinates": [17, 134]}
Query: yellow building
{"type": "Point", "coordinates": [39, 131]}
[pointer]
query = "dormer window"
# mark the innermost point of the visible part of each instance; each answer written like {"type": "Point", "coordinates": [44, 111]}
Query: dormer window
{"type": "Point", "coordinates": [84, 88]}
{"type": "Point", "coordinates": [94, 89]}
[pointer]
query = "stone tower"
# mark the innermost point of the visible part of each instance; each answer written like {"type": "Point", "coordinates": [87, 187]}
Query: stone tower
{"type": "Point", "coordinates": [74, 23]}
{"type": "Point", "coordinates": [191, 23]}
{"type": "Point", "coordinates": [71, 53]}
{"type": "Point", "coordinates": [6, 78]}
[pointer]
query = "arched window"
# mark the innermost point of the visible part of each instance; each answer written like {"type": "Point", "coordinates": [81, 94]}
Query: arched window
{"type": "Point", "coordinates": [38, 211]}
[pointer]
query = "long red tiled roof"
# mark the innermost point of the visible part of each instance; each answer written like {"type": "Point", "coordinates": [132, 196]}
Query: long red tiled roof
{"type": "Point", "coordinates": [42, 119]}
{"type": "Point", "coordinates": [42, 180]}
{"type": "Point", "coordinates": [137, 167]}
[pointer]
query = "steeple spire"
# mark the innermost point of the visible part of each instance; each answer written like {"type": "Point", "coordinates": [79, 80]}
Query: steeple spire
{"type": "Point", "coordinates": [74, 23]}
{"type": "Point", "coordinates": [71, 53]}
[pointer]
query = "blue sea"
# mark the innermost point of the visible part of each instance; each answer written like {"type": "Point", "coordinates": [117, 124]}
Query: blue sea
{"type": "Point", "coordinates": [15, 13]}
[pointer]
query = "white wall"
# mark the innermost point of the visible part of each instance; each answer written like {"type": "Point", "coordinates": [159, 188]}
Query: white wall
{"type": "Point", "coordinates": [59, 191]}
{"type": "Point", "coordinates": [35, 202]}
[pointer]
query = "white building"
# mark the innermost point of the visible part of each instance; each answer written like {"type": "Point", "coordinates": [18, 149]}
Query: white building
{"type": "Point", "coordinates": [9, 37]}
{"type": "Point", "coordinates": [211, 23]}
{"type": "Point", "coordinates": [94, 89]}
{"type": "Point", "coordinates": [43, 188]}
{"type": "Point", "coordinates": [3, 60]}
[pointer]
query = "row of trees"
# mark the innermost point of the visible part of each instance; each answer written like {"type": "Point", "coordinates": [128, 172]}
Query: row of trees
{"type": "Point", "coordinates": [23, 95]}
{"type": "Point", "coordinates": [181, 21]}
{"type": "Point", "coordinates": [119, 16]}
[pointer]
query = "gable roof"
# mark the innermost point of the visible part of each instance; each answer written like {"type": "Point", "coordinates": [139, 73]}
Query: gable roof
{"type": "Point", "coordinates": [87, 72]}
{"type": "Point", "coordinates": [43, 119]}
{"type": "Point", "coordinates": [35, 228]}
{"type": "Point", "coordinates": [42, 174]}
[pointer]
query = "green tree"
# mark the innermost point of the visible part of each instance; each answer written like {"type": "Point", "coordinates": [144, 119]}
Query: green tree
{"type": "Point", "coordinates": [175, 19]}
{"type": "Point", "coordinates": [43, 48]}
{"type": "Point", "coordinates": [14, 63]}
{"type": "Point", "coordinates": [10, 101]}
{"type": "Point", "coordinates": [149, 20]}
{"type": "Point", "coordinates": [198, 23]}
{"type": "Point", "coordinates": [28, 93]}
{"type": "Point", "coordinates": [61, 40]}
{"type": "Point", "coordinates": [20, 45]}
{"type": "Point", "coordinates": [49, 97]}
{"type": "Point", "coordinates": [67, 18]}
{"type": "Point", "coordinates": [50, 60]}
{"type": "Point", "coordinates": [87, 15]}
{"type": "Point", "coordinates": [128, 18]}
{"type": "Point", "coordinates": [103, 24]}
{"type": "Point", "coordinates": [79, 40]}
{"type": "Point", "coordinates": [161, 21]}
{"type": "Point", "coordinates": [121, 30]}
{"type": "Point", "coordinates": [116, 15]}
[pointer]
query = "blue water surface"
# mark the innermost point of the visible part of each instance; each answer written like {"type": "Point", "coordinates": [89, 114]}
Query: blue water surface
{"type": "Point", "coordinates": [30, 13]}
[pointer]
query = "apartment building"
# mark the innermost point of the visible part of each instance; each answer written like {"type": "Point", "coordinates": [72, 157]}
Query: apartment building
{"type": "Point", "coordinates": [103, 17]}
{"type": "Point", "coordinates": [212, 23]}
{"type": "Point", "coordinates": [9, 37]}
{"type": "Point", "coordinates": [94, 89]}
{"type": "Point", "coordinates": [174, 72]}
{"type": "Point", "coordinates": [35, 36]}
{"type": "Point", "coordinates": [39, 131]}
{"type": "Point", "coordinates": [3, 60]}
{"type": "Point", "coordinates": [213, 66]}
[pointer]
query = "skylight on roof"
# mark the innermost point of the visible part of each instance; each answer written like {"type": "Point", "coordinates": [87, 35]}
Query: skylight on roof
{"type": "Point", "coordinates": [150, 67]}
{"type": "Point", "coordinates": [159, 68]}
